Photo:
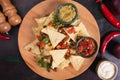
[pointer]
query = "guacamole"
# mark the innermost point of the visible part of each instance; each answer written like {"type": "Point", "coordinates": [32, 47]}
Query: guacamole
{"type": "Point", "coordinates": [67, 13]}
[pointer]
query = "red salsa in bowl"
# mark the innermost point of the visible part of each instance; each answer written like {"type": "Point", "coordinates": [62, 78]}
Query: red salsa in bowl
{"type": "Point", "coordinates": [86, 47]}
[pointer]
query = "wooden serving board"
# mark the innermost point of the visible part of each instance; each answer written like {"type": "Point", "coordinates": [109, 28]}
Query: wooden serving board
{"type": "Point", "coordinates": [26, 36]}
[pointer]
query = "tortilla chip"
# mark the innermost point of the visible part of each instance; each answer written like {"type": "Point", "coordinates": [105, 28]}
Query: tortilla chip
{"type": "Point", "coordinates": [45, 51]}
{"type": "Point", "coordinates": [76, 62]}
{"type": "Point", "coordinates": [72, 51]}
{"type": "Point", "coordinates": [40, 23]}
{"type": "Point", "coordinates": [55, 65]}
{"type": "Point", "coordinates": [55, 37]}
{"type": "Point", "coordinates": [44, 30]}
{"type": "Point", "coordinates": [76, 23]}
{"type": "Point", "coordinates": [58, 57]}
{"type": "Point", "coordinates": [44, 21]}
{"type": "Point", "coordinates": [64, 64]}
{"type": "Point", "coordinates": [72, 36]}
{"type": "Point", "coordinates": [32, 47]}
{"type": "Point", "coordinates": [80, 30]}
{"type": "Point", "coordinates": [49, 18]}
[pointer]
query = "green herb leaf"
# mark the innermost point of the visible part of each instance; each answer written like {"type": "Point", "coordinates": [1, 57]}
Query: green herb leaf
{"type": "Point", "coordinates": [56, 22]}
{"type": "Point", "coordinates": [41, 62]}
{"type": "Point", "coordinates": [42, 37]}
{"type": "Point", "coordinates": [46, 40]}
{"type": "Point", "coordinates": [48, 65]}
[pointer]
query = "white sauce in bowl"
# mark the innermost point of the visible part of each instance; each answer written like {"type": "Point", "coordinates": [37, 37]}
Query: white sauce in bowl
{"type": "Point", "coordinates": [106, 70]}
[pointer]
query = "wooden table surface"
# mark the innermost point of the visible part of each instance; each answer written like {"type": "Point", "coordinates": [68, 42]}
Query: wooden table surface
{"type": "Point", "coordinates": [13, 67]}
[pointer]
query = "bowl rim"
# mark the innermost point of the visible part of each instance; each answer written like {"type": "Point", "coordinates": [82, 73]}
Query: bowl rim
{"type": "Point", "coordinates": [116, 69]}
{"type": "Point", "coordinates": [58, 16]}
{"type": "Point", "coordinates": [86, 37]}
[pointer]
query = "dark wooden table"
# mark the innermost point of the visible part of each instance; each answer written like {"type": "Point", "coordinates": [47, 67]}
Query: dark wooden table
{"type": "Point", "coordinates": [12, 66]}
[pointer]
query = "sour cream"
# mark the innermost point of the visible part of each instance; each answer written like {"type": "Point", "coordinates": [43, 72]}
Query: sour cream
{"type": "Point", "coordinates": [106, 70]}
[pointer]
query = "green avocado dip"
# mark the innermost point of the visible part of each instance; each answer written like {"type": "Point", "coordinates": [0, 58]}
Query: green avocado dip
{"type": "Point", "coordinates": [67, 13]}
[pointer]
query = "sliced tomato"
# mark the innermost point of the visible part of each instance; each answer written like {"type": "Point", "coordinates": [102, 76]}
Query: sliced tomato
{"type": "Point", "coordinates": [71, 30]}
{"type": "Point", "coordinates": [86, 47]}
{"type": "Point", "coordinates": [42, 44]}
{"type": "Point", "coordinates": [51, 23]}
{"type": "Point", "coordinates": [65, 45]}
{"type": "Point", "coordinates": [38, 37]}
{"type": "Point", "coordinates": [80, 48]}
{"type": "Point", "coordinates": [58, 46]}
{"type": "Point", "coordinates": [91, 51]}
{"type": "Point", "coordinates": [66, 37]}
{"type": "Point", "coordinates": [68, 51]}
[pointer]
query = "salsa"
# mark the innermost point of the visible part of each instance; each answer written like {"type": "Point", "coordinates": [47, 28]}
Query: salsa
{"type": "Point", "coordinates": [86, 47]}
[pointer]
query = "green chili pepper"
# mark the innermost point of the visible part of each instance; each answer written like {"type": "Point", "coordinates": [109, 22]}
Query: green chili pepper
{"type": "Point", "coordinates": [48, 65]}
{"type": "Point", "coordinates": [46, 40]}
{"type": "Point", "coordinates": [41, 62]}
{"type": "Point", "coordinates": [42, 37]}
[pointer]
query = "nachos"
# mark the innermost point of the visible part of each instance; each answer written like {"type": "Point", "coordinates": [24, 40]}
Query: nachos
{"type": "Point", "coordinates": [55, 43]}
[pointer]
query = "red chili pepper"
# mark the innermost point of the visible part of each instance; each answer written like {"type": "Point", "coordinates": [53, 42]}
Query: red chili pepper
{"type": "Point", "coordinates": [107, 39]}
{"type": "Point", "coordinates": [4, 37]}
{"type": "Point", "coordinates": [98, 1]}
{"type": "Point", "coordinates": [109, 16]}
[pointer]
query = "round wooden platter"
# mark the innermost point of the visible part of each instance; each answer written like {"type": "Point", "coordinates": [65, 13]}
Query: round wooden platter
{"type": "Point", "coordinates": [26, 36]}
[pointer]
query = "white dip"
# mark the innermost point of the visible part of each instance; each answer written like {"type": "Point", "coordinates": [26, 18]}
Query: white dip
{"type": "Point", "coordinates": [106, 70]}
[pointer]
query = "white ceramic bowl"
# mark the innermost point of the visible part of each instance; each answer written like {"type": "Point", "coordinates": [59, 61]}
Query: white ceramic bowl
{"type": "Point", "coordinates": [105, 70]}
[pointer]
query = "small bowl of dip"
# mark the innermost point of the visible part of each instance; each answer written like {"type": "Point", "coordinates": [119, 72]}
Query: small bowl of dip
{"type": "Point", "coordinates": [86, 47]}
{"type": "Point", "coordinates": [67, 13]}
{"type": "Point", "coordinates": [107, 70]}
